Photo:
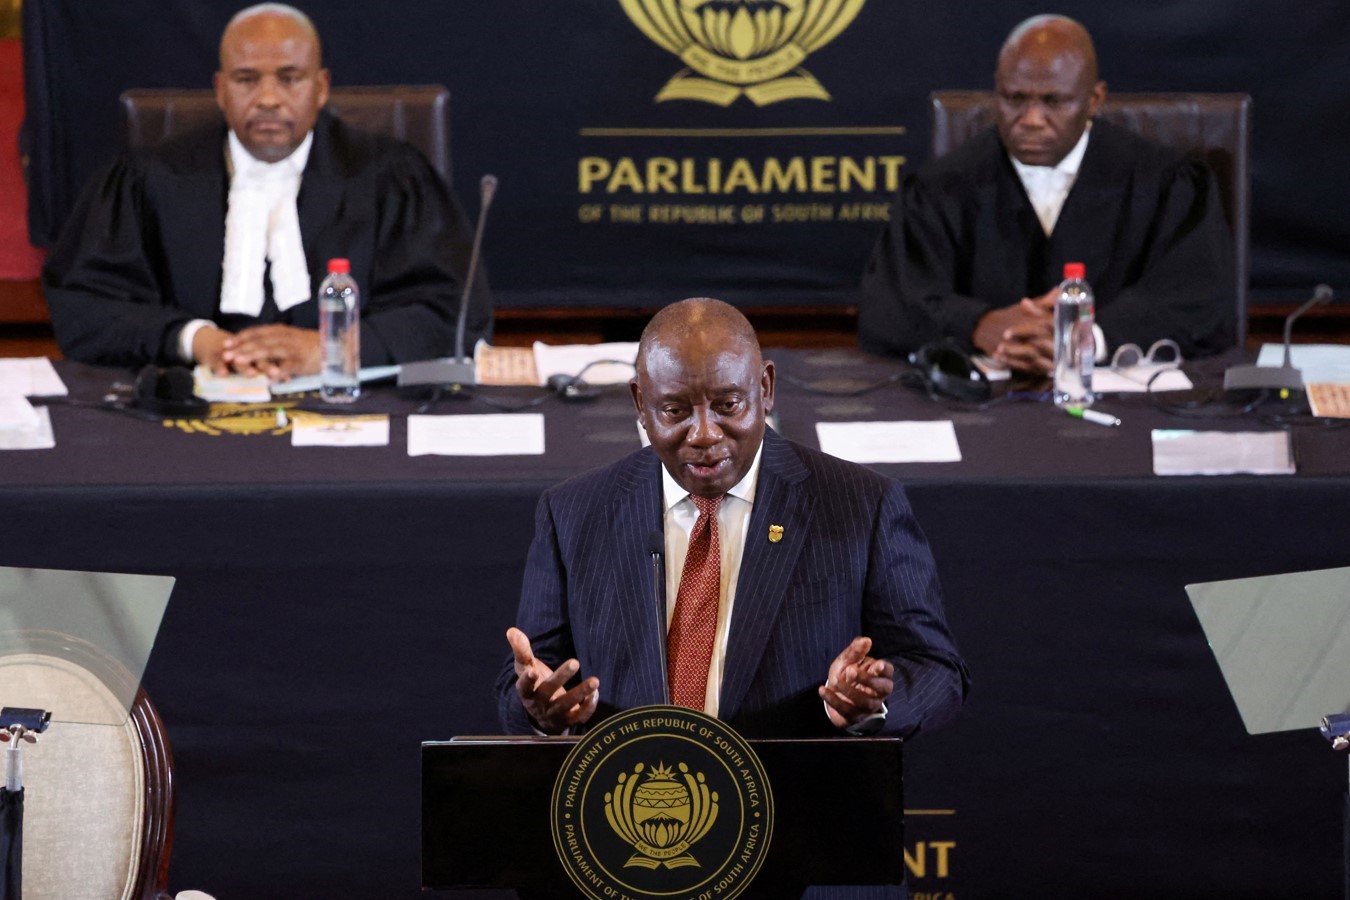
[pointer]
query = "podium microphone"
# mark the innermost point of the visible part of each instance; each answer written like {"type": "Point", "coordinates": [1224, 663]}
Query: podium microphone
{"type": "Point", "coordinates": [1281, 377]}
{"type": "Point", "coordinates": [656, 548]}
{"type": "Point", "coordinates": [458, 370]}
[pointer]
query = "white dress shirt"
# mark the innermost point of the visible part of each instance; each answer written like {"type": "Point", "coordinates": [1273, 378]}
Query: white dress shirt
{"type": "Point", "coordinates": [733, 517]}
{"type": "Point", "coordinates": [1048, 186]}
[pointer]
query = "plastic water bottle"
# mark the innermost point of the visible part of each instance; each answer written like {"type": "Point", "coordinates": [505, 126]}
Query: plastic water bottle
{"type": "Point", "coordinates": [1075, 344]}
{"type": "Point", "coordinates": [340, 334]}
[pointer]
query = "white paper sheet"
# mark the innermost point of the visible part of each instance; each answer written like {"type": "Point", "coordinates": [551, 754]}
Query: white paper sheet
{"type": "Point", "coordinates": [1328, 363]}
{"type": "Point", "coordinates": [312, 430]}
{"type": "Point", "coordinates": [31, 377]}
{"type": "Point", "coordinates": [1183, 452]}
{"type": "Point", "coordinates": [39, 437]}
{"type": "Point", "coordinates": [890, 442]}
{"type": "Point", "coordinates": [572, 358]}
{"type": "Point", "coordinates": [1134, 380]}
{"type": "Point", "coordinates": [491, 434]}
{"type": "Point", "coordinates": [16, 413]}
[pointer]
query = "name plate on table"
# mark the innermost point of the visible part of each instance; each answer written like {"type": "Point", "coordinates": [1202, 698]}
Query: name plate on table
{"type": "Point", "coordinates": [1181, 452]}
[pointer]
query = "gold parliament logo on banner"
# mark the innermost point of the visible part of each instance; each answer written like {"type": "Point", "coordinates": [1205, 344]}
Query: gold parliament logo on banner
{"type": "Point", "coordinates": [750, 47]}
{"type": "Point", "coordinates": [661, 801]}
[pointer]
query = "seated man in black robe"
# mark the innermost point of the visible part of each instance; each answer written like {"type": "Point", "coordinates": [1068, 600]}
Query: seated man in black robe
{"type": "Point", "coordinates": [209, 248]}
{"type": "Point", "coordinates": [977, 241]}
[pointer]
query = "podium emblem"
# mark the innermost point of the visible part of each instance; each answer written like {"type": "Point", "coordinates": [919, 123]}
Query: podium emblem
{"type": "Point", "coordinates": [735, 47]}
{"type": "Point", "coordinates": [661, 815]}
{"type": "Point", "coordinates": [661, 801]}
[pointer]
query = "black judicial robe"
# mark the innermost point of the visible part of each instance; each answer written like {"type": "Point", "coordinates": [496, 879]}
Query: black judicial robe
{"type": "Point", "coordinates": [141, 254]}
{"type": "Point", "coordinates": [964, 239]}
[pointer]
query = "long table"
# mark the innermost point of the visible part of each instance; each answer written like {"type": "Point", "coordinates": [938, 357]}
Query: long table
{"type": "Point", "coordinates": [335, 607]}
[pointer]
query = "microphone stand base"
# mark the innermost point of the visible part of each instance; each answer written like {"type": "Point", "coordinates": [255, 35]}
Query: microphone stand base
{"type": "Point", "coordinates": [444, 373]}
{"type": "Point", "coordinates": [1258, 378]}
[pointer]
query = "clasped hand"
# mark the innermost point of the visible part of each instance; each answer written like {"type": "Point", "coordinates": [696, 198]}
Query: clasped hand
{"type": "Point", "coordinates": [278, 351]}
{"type": "Point", "coordinates": [1021, 336]}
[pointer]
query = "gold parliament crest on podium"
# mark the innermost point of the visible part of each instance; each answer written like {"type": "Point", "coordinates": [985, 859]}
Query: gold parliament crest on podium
{"type": "Point", "coordinates": [661, 801]}
{"type": "Point", "coordinates": [735, 47]}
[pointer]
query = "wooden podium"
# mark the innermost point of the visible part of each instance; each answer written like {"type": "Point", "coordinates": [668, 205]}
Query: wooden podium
{"type": "Point", "coordinates": [838, 806]}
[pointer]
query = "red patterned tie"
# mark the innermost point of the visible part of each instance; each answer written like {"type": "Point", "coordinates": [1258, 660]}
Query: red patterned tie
{"type": "Point", "coordinates": [694, 624]}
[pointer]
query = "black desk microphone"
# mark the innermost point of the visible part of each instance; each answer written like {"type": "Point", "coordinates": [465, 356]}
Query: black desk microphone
{"type": "Point", "coordinates": [458, 370]}
{"type": "Point", "coordinates": [656, 548]}
{"type": "Point", "coordinates": [1281, 377]}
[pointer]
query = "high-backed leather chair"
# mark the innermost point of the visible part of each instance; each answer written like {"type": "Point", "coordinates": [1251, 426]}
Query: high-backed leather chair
{"type": "Point", "coordinates": [1213, 127]}
{"type": "Point", "coordinates": [418, 114]}
{"type": "Point", "coordinates": [98, 798]}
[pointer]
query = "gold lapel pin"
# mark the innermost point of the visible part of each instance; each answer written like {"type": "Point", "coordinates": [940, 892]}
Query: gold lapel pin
{"type": "Point", "coordinates": [775, 533]}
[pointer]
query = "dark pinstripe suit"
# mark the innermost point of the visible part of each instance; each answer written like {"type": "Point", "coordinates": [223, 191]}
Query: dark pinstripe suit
{"type": "Point", "coordinates": [852, 561]}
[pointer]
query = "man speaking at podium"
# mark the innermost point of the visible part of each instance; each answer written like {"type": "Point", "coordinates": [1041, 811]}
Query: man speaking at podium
{"type": "Point", "coordinates": [800, 597]}
{"type": "Point", "coordinates": [209, 248]}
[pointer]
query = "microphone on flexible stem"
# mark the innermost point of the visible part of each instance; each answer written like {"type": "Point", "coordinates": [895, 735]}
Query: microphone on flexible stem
{"type": "Point", "coordinates": [656, 548]}
{"type": "Point", "coordinates": [1281, 377]}
{"type": "Point", "coordinates": [458, 370]}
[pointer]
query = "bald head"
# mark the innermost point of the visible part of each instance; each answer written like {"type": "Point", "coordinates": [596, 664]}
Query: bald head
{"type": "Point", "coordinates": [698, 320]}
{"type": "Point", "coordinates": [1047, 88]}
{"type": "Point", "coordinates": [701, 391]}
{"type": "Point", "coordinates": [1053, 36]}
{"type": "Point", "coordinates": [281, 10]}
{"type": "Point", "coordinates": [293, 19]}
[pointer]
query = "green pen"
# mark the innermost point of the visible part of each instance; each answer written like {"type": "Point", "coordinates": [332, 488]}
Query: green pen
{"type": "Point", "coordinates": [1091, 415]}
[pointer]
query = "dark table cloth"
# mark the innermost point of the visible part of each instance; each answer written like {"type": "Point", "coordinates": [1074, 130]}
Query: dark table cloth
{"type": "Point", "coordinates": [336, 606]}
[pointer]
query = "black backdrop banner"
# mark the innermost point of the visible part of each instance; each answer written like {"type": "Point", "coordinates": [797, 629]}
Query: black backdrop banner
{"type": "Point", "coordinates": [747, 150]}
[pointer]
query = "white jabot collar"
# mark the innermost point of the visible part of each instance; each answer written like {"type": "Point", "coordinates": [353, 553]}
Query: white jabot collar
{"type": "Point", "coordinates": [262, 224]}
{"type": "Point", "coordinates": [1048, 186]}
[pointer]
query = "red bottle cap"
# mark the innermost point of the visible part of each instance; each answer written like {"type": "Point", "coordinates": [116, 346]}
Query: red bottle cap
{"type": "Point", "coordinates": [339, 265]}
{"type": "Point", "coordinates": [1074, 271]}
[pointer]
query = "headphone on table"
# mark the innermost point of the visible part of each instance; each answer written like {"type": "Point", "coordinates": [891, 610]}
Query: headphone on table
{"type": "Point", "coordinates": [575, 389]}
{"type": "Point", "coordinates": [950, 372]}
{"type": "Point", "coordinates": [572, 389]}
{"type": "Point", "coordinates": [167, 393]}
